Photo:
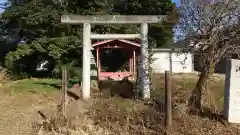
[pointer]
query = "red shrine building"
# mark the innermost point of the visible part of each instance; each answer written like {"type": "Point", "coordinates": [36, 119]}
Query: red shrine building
{"type": "Point", "coordinates": [116, 59]}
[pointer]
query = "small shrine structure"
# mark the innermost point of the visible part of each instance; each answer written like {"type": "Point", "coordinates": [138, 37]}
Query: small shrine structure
{"type": "Point", "coordinates": [116, 53]}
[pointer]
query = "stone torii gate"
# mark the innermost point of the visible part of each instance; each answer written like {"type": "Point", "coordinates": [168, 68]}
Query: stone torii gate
{"type": "Point", "coordinates": [114, 19]}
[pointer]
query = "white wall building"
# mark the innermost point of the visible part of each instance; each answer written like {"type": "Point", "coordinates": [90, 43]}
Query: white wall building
{"type": "Point", "coordinates": [165, 59]}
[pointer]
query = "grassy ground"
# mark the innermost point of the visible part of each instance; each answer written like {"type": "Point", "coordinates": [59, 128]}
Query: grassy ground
{"type": "Point", "coordinates": [183, 84]}
{"type": "Point", "coordinates": [32, 85]}
{"type": "Point", "coordinates": [106, 114]}
{"type": "Point", "coordinates": [20, 100]}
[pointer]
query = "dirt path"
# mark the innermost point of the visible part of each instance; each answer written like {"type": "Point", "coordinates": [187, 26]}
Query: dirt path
{"type": "Point", "coordinates": [18, 112]}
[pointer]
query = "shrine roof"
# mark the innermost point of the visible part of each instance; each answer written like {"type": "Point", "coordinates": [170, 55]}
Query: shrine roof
{"type": "Point", "coordinates": [104, 42]}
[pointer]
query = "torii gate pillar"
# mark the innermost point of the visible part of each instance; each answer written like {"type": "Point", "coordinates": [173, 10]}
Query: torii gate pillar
{"type": "Point", "coordinates": [114, 19]}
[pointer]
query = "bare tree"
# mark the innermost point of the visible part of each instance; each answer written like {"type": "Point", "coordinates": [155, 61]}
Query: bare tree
{"type": "Point", "coordinates": [212, 28]}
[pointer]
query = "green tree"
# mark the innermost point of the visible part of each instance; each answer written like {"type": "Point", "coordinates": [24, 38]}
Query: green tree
{"type": "Point", "coordinates": [160, 35]}
{"type": "Point", "coordinates": [37, 22]}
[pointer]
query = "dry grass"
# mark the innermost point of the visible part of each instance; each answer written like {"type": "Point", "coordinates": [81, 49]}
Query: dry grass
{"type": "Point", "coordinates": [111, 115]}
{"type": "Point", "coordinates": [77, 122]}
{"type": "Point", "coordinates": [18, 112]}
{"type": "Point", "coordinates": [125, 117]}
{"type": "Point", "coordinates": [3, 77]}
{"type": "Point", "coordinates": [19, 109]}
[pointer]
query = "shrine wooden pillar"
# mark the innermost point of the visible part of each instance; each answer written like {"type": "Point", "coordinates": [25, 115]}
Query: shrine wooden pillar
{"type": "Point", "coordinates": [130, 64]}
{"type": "Point", "coordinates": [134, 62]}
{"type": "Point", "coordinates": [98, 62]}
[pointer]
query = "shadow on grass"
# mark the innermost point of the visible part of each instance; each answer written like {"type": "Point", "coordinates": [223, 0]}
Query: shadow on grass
{"type": "Point", "coordinates": [56, 86]}
{"type": "Point", "coordinates": [208, 113]}
{"type": "Point", "coordinates": [123, 88]}
{"type": "Point", "coordinates": [127, 116]}
{"type": "Point", "coordinates": [73, 95]}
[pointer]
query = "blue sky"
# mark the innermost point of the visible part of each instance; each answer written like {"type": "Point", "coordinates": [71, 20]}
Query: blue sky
{"type": "Point", "coordinates": [177, 2]}
{"type": "Point", "coordinates": [2, 1]}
